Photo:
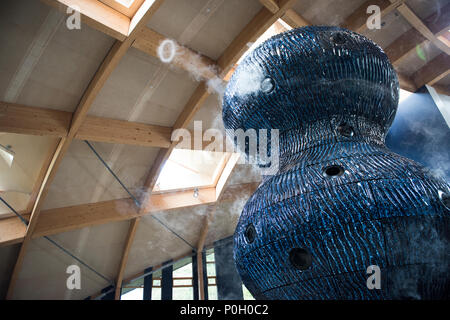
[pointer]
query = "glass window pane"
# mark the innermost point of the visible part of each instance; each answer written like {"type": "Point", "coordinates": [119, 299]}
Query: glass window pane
{"type": "Point", "coordinates": [136, 294]}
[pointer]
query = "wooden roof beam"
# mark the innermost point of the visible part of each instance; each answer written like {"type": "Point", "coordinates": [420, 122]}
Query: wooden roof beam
{"type": "Point", "coordinates": [97, 15]}
{"type": "Point", "coordinates": [117, 25]}
{"type": "Point", "coordinates": [15, 118]}
{"type": "Point", "coordinates": [123, 262]}
{"type": "Point", "coordinates": [203, 67]}
{"type": "Point", "coordinates": [357, 20]}
{"type": "Point", "coordinates": [271, 5]}
{"type": "Point", "coordinates": [432, 72]}
{"type": "Point", "coordinates": [58, 220]}
{"type": "Point", "coordinates": [406, 83]}
{"type": "Point", "coordinates": [415, 21]}
{"type": "Point", "coordinates": [103, 17]}
{"type": "Point", "coordinates": [408, 41]}
{"type": "Point", "coordinates": [294, 20]}
{"type": "Point", "coordinates": [20, 119]}
{"type": "Point", "coordinates": [442, 89]}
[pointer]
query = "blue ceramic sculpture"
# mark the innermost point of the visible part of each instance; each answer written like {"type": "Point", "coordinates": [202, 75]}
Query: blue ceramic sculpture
{"type": "Point", "coordinates": [341, 201]}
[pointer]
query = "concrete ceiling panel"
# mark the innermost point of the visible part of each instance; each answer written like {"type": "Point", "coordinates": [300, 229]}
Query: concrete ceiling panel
{"type": "Point", "coordinates": [44, 276]}
{"type": "Point", "coordinates": [82, 178]}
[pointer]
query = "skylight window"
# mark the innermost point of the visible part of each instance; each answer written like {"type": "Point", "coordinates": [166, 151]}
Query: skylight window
{"type": "Point", "coordinates": [125, 3]}
{"type": "Point", "coordinates": [22, 158]}
{"type": "Point", "coordinates": [187, 169]}
{"type": "Point", "coordinates": [7, 155]}
{"type": "Point", "coordinates": [128, 8]}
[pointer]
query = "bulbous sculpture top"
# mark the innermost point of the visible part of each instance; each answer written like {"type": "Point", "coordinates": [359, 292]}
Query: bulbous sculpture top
{"type": "Point", "coordinates": [310, 74]}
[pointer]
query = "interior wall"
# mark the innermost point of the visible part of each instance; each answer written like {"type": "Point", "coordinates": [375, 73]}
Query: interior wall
{"type": "Point", "coordinates": [8, 257]}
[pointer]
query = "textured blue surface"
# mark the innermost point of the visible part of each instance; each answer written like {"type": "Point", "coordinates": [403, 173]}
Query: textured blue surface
{"type": "Point", "coordinates": [382, 210]}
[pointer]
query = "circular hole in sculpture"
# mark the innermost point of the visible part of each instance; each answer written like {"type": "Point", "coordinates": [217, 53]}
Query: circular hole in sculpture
{"type": "Point", "coordinates": [300, 258]}
{"type": "Point", "coordinates": [345, 130]}
{"type": "Point", "coordinates": [444, 197]}
{"type": "Point", "coordinates": [333, 171]}
{"type": "Point", "coordinates": [338, 38]}
{"type": "Point", "coordinates": [250, 233]}
{"type": "Point", "coordinates": [267, 85]}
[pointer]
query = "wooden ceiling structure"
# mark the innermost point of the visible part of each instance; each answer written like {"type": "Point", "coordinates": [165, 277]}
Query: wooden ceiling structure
{"type": "Point", "coordinates": [130, 33]}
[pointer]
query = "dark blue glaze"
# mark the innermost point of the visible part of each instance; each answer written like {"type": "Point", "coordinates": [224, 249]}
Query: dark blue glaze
{"type": "Point", "coordinates": [333, 95]}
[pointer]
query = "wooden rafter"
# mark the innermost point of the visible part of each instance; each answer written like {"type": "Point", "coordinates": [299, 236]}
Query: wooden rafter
{"type": "Point", "coordinates": [406, 83]}
{"type": "Point", "coordinates": [12, 231]}
{"type": "Point", "coordinates": [108, 65]}
{"type": "Point", "coordinates": [97, 15]}
{"type": "Point", "coordinates": [432, 72]}
{"type": "Point", "coordinates": [111, 22]}
{"type": "Point", "coordinates": [15, 118]}
{"type": "Point", "coordinates": [402, 46]}
{"type": "Point", "coordinates": [21, 119]}
{"type": "Point", "coordinates": [294, 20]}
{"type": "Point", "coordinates": [116, 24]}
{"type": "Point", "coordinates": [358, 18]}
{"type": "Point", "coordinates": [41, 176]}
{"type": "Point", "coordinates": [58, 220]}
{"type": "Point", "coordinates": [62, 147]}
{"type": "Point", "coordinates": [124, 132]}
{"type": "Point", "coordinates": [418, 24]}
{"type": "Point", "coordinates": [149, 41]}
{"type": "Point", "coordinates": [123, 262]}
{"type": "Point", "coordinates": [411, 39]}
{"type": "Point", "coordinates": [271, 5]}
{"type": "Point", "coordinates": [442, 89]}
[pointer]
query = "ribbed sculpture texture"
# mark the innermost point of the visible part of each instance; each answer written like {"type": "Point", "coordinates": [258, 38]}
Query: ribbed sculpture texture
{"type": "Point", "coordinates": [341, 201]}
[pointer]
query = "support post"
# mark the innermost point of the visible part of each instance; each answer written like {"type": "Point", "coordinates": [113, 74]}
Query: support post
{"type": "Point", "coordinates": [195, 276]}
{"type": "Point", "coordinates": [167, 282]}
{"type": "Point", "coordinates": [148, 285]}
{"type": "Point", "coordinates": [229, 284]}
{"type": "Point", "coordinates": [205, 276]}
